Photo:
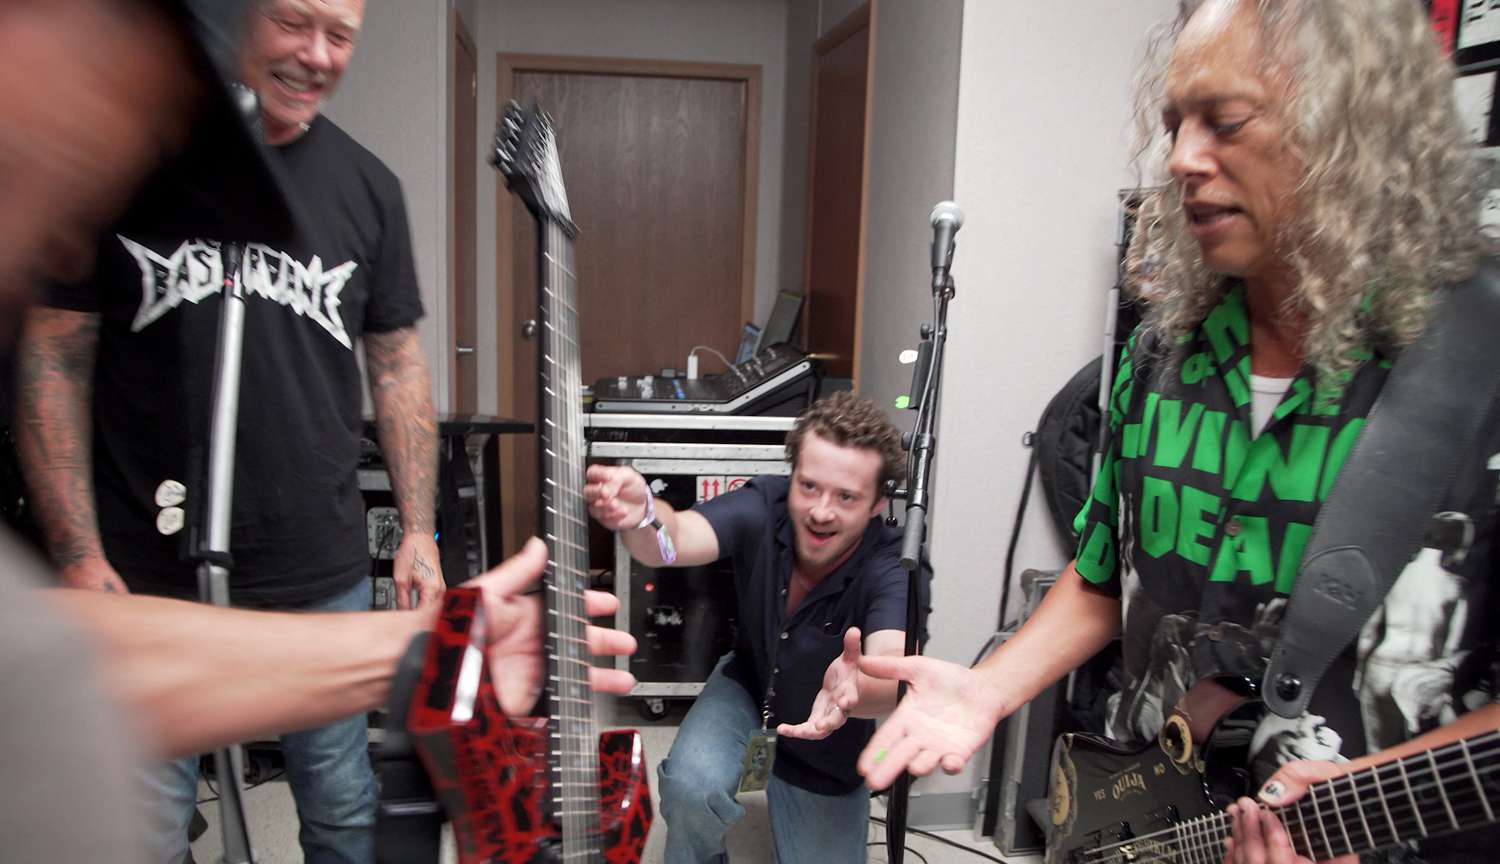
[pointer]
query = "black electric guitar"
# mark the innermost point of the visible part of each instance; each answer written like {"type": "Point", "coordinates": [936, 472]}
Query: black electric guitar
{"type": "Point", "coordinates": [532, 790]}
{"type": "Point", "coordinates": [1165, 802]}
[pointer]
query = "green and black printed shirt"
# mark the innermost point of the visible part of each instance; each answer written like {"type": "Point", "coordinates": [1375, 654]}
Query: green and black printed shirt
{"type": "Point", "coordinates": [1198, 524]}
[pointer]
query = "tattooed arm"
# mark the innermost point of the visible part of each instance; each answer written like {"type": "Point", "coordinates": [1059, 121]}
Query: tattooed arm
{"type": "Point", "coordinates": [402, 392]}
{"type": "Point", "coordinates": [54, 429]}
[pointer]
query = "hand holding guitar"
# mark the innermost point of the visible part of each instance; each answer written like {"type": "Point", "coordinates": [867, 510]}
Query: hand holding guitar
{"type": "Point", "coordinates": [1259, 837]}
{"type": "Point", "coordinates": [515, 625]}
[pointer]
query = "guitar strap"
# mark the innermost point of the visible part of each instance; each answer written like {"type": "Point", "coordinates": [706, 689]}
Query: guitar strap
{"type": "Point", "coordinates": [1418, 436]}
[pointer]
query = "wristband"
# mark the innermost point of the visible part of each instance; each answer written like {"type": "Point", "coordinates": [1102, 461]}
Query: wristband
{"type": "Point", "coordinates": [663, 539]}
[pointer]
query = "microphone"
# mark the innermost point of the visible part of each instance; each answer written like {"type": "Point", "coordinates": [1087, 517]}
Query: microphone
{"type": "Point", "coordinates": [946, 219]}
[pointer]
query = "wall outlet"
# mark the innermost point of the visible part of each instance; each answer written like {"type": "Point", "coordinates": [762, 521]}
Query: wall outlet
{"type": "Point", "coordinates": [383, 532]}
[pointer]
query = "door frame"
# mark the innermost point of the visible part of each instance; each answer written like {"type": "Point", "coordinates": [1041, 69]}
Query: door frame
{"type": "Point", "coordinates": [507, 320]}
{"type": "Point", "coordinates": [461, 40]}
{"type": "Point", "coordinates": [507, 67]}
{"type": "Point", "coordinates": [863, 18]}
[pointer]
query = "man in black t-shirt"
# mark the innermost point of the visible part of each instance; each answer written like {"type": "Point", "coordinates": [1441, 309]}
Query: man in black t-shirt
{"type": "Point", "coordinates": [814, 567]}
{"type": "Point", "coordinates": [116, 374]}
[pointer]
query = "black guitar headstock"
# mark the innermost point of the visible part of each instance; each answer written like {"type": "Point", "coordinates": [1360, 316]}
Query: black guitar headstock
{"type": "Point", "coordinates": [526, 155]}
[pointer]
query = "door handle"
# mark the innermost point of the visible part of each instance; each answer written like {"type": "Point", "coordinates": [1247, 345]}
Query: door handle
{"type": "Point", "coordinates": [463, 349]}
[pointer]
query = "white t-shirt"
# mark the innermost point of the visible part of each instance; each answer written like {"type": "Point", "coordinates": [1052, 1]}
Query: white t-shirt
{"type": "Point", "coordinates": [1265, 395]}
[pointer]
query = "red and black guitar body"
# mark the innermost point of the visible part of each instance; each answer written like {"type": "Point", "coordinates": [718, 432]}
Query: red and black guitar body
{"type": "Point", "coordinates": [492, 772]}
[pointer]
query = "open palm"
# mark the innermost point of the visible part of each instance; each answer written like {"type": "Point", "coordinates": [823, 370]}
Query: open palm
{"type": "Point", "coordinates": [838, 696]}
{"type": "Point", "coordinates": [948, 712]}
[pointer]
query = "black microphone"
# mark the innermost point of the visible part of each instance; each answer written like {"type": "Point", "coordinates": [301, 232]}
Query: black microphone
{"type": "Point", "coordinates": [946, 219]}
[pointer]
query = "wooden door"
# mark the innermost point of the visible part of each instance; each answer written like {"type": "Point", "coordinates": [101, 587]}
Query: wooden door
{"type": "Point", "coordinates": [463, 312]}
{"type": "Point", "coordinates": [659, 160]}
{"type": "Point", "coordinates": [837, 185]}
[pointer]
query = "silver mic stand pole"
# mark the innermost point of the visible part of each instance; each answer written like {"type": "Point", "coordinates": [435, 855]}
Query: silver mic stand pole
{"type": "Point", "coordinates": [213, 554]}
{"type": "Point", "coordinates": [213, 566]}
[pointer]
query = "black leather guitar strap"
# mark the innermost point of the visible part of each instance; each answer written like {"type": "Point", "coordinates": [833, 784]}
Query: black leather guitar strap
{"type": "Point", "coordinates": [1417, 437]}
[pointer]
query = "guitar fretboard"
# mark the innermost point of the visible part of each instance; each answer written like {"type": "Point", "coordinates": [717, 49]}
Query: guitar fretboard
{"type": "Point", "coordinates": [1440, 791]}
{"type": "Point", "coordinates": [574, 738]}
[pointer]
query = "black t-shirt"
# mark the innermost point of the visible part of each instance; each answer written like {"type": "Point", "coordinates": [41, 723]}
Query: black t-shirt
{"type": "Point", "coordinates": [790, 656]}
{"type": "Point", "coordinates": [298, 531]}
{"type": "Point", "coordinates": [1198, 523]}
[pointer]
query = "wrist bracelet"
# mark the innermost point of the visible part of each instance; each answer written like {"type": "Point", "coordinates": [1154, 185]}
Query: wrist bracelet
{"type": "Point", "coordinates": [663, 539]}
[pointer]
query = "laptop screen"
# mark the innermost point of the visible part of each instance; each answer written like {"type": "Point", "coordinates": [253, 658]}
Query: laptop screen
{"type": "Point", "coordinates": [786, 314]}
{"type": "Point", "coordinates": [749, 343]}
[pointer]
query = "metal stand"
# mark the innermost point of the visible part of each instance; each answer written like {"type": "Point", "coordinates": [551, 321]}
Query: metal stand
{"type": "Point", "coordinates": [213, 553]}
{"type": "Point", "coordinates": [926, 384]}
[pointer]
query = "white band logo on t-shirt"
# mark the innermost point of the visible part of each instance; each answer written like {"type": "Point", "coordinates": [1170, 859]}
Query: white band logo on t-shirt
{"type": "Point", "coordinates": [196, 271]}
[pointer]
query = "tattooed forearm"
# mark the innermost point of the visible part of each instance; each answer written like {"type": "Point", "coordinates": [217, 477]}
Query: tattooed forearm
{"type": "Point", "coordinates": [424, 571]}
{"type": "Point", "coordinates": [401, 390]}
{"type": "Point", "coordinates": [54, 388]}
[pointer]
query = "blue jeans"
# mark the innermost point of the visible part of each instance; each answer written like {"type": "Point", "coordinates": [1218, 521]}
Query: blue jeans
{"type": "Point", "coordinates": [328, 769]}
{"type": "Point", "coordinates": [699, 778]}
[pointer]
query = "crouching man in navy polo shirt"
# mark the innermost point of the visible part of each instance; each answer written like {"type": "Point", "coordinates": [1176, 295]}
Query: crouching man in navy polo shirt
{"type": "Point", "coordinates": [814, 569]}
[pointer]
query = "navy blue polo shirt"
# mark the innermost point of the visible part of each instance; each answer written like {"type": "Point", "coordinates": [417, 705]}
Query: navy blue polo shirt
{"type": "Point", "coordinates": [789, 657]}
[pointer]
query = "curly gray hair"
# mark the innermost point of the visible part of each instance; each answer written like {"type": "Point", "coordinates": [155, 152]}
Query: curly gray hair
{"type": "Point", "coordinates": [1387, 207]}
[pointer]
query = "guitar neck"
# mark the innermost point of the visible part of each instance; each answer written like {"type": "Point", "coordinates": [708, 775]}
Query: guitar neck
{"type": "Point", "coordinates": [574, 750]}
{"type": "Point", "coordinates": [1440, 791]}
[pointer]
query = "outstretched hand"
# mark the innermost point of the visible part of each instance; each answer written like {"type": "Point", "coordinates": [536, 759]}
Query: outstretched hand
{"type": "Point", "coordinates": [838, 697]}
{"type": "Point", "coordinates": [948, 712]}
{"type": "Point", "coordinates": [515, 632]}
{"type": "Point", "coordinates": [616, 496]}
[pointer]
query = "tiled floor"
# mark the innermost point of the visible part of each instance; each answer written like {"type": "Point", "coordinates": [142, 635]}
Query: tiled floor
{"type": "Point", "coordinates": [273, 825]}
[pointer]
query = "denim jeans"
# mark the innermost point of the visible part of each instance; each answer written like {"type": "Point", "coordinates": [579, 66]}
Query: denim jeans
{"type": "Point", "coordinates": [328, 769]}
{"type": "Point", "coordinates": [701, 774]}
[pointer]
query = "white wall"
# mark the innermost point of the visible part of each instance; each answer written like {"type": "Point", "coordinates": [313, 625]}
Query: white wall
{"type": "Point", "coordinates": [394, 100]}
{"type": "Point", "coordinates": [1042, 148]}
{"type": "Point", "coordinates": [912, 138]}
{"type": "Point", "coordinates": [717, 31]}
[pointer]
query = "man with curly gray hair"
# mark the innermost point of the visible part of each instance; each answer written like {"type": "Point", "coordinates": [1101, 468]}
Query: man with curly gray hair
{"type": "Point", "coordinates": [818, 583]}
{"type": "Point", "coordinates": [1319, 200]}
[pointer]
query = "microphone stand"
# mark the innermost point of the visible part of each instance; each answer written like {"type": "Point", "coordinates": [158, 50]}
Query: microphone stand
{"type": "Point", "coordinates": [213, 551]}
{"type": "Point", "coordinates": [926, 383]}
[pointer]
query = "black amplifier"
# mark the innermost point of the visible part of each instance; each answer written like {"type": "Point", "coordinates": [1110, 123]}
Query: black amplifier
{"type": "Point", "coordinates": [682, 617]}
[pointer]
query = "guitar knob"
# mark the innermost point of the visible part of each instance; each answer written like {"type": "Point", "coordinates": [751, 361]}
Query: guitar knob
{"type": "Point", "coordinates": [528, 328]}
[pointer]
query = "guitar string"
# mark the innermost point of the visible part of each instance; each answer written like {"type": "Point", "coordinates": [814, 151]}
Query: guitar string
{"type": "Point", "coordinates": [587, 754]}
{"type": "Point", "coordinates": [554, 498]}
{"type": "Point", "coordinates": [588, 758]}
{"type": "Point", "coordinates": [1191, 836]}
{"type": "Point", "coordinates": [1477, 750]}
